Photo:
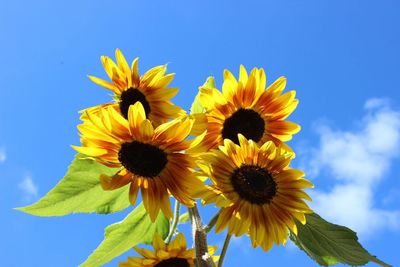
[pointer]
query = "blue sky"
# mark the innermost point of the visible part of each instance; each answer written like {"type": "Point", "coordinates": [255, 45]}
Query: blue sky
{"type": "Point", "coordinates": [341, 56]}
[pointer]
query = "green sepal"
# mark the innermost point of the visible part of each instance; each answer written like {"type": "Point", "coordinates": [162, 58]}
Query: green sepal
{"type": "Point", "coordinates": [136, 228]}
{"type": "Point", "coordinates": [116, 97]}
{"type": "Point", "coordinates": [197, 107]}
{"type": "Point", "coordinates": [184, 218]}
{"type": "Point", "coordinates": [80, 192]}
{"type": "Point", "coordinates": [329, 243]}
{"type": "Point", "coordinates": [210, 82]}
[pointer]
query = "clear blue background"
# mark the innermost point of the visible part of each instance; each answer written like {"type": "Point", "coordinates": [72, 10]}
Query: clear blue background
{"type": "Point", "coordinates": [336, 54]}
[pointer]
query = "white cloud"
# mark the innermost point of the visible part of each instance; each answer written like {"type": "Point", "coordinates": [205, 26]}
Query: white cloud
{"type": "Point", "coordinates": [373, 103]}
{"type": "Point", "coordinates": [3, 155]}
{"type": "Point", "coordinates": [243, 243]}
{"type": "Point", "coordinates": [28, 188]}
{"type": "Point", "coordinates": [358, 161]}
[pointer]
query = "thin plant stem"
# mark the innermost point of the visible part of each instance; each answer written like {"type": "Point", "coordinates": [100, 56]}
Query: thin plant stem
{"type": "Point", "coordinates": [203, 259]}
{"type": "Point", "coordinates": [174, 223]}
{"type": "Point", "coordinates": [224, 249]}
{"type": "Point", "coordinates": [212, 222]}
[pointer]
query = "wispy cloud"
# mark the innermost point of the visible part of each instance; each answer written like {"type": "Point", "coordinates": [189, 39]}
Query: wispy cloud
{"type": "Point", "coordinates": [357, 161]}
{"type": "Point", "coordinates": [28, 188]}
{"type": "Point", "coordinates": [243, 243]}
{"type": "Point", "coordinates": [3, 155]}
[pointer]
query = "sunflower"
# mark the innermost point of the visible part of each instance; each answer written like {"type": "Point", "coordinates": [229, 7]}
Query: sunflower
{"type": "Point", "coordinates": [259, 194]}
{"type": "Point", "coordinates": [129, 87]}
{"type": "Point", "coordinates": [155, 160]}
{"type": "Point", "coordinates": [166, 255]}
{"type": "Point", "coordinates": [246, 107]}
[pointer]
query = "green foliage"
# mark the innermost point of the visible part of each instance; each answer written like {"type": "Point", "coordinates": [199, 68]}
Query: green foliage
{"type": "Point", "coordinates": [119, 237]}
{"type": "Point", "coordinates": [80, 191]}
{"type": "Point", "coordinates": [329, 244]}
{"type": "Point", "coordinates": [197, 107]}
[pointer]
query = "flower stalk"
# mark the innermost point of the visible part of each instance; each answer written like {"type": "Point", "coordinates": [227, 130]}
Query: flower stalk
{"type": "Point", "coordinates": [174, 223]}
{"type": "Point", "coordinates": [212, 222]}
{"type": "Point", "coordinates": [203, 258]}
{"type": "Point", "coordinates": [224, 249]}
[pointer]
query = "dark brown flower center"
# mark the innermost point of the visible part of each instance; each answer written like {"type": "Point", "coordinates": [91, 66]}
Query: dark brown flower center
{"type": "Point", "coordinates": [130, 97]}
{"type": "Point", "coordinates": [173, 262]}
{"type": "Point", "coordinates": [246, 122]}
{"type": "Point", "coordinates": [142, 159]}
{"type": "Point", "coordinates": [253, 183]}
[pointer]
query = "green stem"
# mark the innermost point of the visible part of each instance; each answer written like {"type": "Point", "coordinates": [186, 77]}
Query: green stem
{"type": "Point", "coordinates": [203, 259]}
{"type": "Point", "coordinates": [212, 222]}
{"type": "Point", "coordinates": [174, 223]}
{"type": "Point", "coordinates": [224, 249]}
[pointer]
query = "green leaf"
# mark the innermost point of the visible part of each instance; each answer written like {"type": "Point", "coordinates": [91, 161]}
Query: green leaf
{"type": "Point", "coordinates": [80, 191]}
{"type": "Point", "coordinates": [119, 237]}
{"type": "Point", "coordinates": [184, 218]}
{"type": "Point", "coordinates": [197, 107]}
{"type": "Point", "coordinates": [329, 244]}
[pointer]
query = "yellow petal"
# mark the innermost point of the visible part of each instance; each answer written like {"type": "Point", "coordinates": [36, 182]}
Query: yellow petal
{"type": "Point", "coordinates": [277, 86]}
{"type": "Point", "coordinates": [145, 252]}
{"type": "Point", "coordinates": [136, 115]}
{"type": "Point", "coordinates": [164, 81]}
{"type": "Point", "coordinates": [123, 65]}
{"type": "Point", "coordinates": [118, 180]}
{"type": "Point", "coordinates": [133, 192]}
{"type": "Point", "coordinates": [178, 243]}
{"type": "Point", "coordinates": [104, 84]}
{"type": "Point", "coordinates": [229, 76]}
{"type": "Point", "coordinates": [158, 242]}
{"type": "Point", "coordinates": [243, 75]}
{"type": "Point", "coordinates": [263, 82]}
{"type": "Point", "coordinates": [146, 130]}
{"type": "Point", "coordinates": [91, 151]}
{"type": "Point", "coordinates": [135, 72]}
{"type": "Point", "coordinates": [154, 73]}
{"type": "Point", "coordinates": [283, 127]}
